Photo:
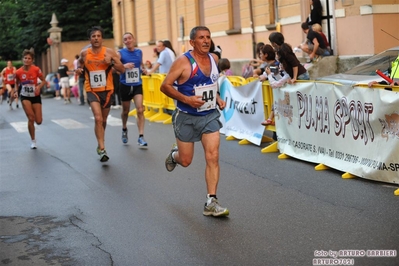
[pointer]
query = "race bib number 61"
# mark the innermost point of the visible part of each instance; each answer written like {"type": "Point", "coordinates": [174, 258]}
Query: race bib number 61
{"type": "Point", "coordinates": [98, 79]}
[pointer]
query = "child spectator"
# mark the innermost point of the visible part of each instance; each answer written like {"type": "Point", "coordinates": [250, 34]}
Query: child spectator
{"type": "Point", "coordinates": [287, 57]}
{"type": "Point", "coordinates": [268, 56]}
{"type": "Point", "coordinates": [248, 69]}
{"type": "Point", "coordinates": [314, 44]}
{"type": "Point", "coordinates": [276, 80]}
{"type": "Point", "coordinates": [317, 28]}
{"type": "Point", "coordinates": [256, 62]}
{"type": "Point", "coordinates": [224, 67]}
{"type": "Point", "coordinates": [57, 87]}
{"type": "Point", "coordinates": [75, 92]}
{"type": "Point", "coordinates": [148, 65]}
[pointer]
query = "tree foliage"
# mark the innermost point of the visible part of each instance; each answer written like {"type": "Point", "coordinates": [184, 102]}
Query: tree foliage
{"type": "Point", "coordinates": [25, 23]}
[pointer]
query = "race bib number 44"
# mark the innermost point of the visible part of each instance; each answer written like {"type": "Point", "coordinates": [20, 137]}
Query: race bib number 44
{"type": "Point", "coordinates": [208, 94]}
{"type": "Point", "coordinates": [132, 75]}
{"type": "Point", "coordinates": [28, 90]}
{"type": "Point", "coordinates": [98, 79]}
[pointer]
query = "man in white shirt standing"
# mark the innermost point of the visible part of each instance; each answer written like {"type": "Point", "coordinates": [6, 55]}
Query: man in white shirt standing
{"type": "Point", "coordinates": [164, 61]}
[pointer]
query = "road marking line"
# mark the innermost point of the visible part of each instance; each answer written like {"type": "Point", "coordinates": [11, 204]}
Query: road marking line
{"type": "Point", "coordinates": [113, 121]}
{"type": "Point", "coordinates": [22, 127]}
{"type": "Point", "coordinates": [69, 123]}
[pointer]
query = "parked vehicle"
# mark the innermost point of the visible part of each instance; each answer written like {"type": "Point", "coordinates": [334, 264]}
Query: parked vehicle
{"type": "Point", "coordinates": [365, 71]}
{"type": "Point", "coordinates": [50, 86]}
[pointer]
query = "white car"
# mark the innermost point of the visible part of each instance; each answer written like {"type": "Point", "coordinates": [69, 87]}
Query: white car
{"type": "Point", "coordinates": [366, 71]}
{"type": "Point", "coordinates": [72, 81]}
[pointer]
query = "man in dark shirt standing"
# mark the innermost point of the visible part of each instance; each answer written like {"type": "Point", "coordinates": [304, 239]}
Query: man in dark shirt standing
{"type": "Point", "coordinates": [62, 74]}
{"type": "Point", "coordinates": [314, 44]}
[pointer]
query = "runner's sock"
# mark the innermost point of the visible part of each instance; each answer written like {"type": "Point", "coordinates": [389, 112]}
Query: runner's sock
{"type": "Point", "coordinates": [209, 198]}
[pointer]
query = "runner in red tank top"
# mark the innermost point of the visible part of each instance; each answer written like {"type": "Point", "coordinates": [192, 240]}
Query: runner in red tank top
{"type": "Point", "coordinates": [27, 76]}
{"type": "Point", "coordinates": [8, 76]}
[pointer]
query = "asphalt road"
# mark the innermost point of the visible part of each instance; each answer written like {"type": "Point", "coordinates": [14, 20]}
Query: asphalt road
{"type": "Point", "coordinates": [59, 205]}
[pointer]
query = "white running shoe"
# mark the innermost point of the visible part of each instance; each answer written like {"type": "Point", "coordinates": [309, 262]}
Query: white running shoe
{"type": "Point", "coordinates": [33, 145]}
{"type": "Point", "coordinates": [214, 208]}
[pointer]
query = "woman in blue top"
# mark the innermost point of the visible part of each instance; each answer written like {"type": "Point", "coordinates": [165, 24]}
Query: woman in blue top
{"type": "Point", "coordinates": [130, 86]}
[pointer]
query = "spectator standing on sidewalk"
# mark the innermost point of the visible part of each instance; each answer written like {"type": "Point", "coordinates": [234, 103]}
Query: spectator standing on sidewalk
{"type": "Point", "coordinates": [81, 81]}
{"type": "Point", "coordinates": [316, 13]}
{"type": "Point", "coordinates": [75, 66]}
{"type": "Point", "coordinates": [131, 86]}
{"type": "Point", "coordinates": [169, 48]}
{"type": "Point", "coordinates": [116, 96]}
{"type": "Point", "coordinates": [97, 62]}
{"type": "Point", "coordinates": [63, 77]}
{"type": "Point", "coordinates": [2, 90]}
{"type": "Point", "coordinates": [156, 56]}
{"type": "Point", "coordinates": [57, 87]}
{"type": "Point", "coordinates": [164, 61]}
{"type": "Point", "coordinates": [192, 82]}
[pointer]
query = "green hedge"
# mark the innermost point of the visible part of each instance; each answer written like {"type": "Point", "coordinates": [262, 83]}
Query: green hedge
{"type": "Point", "coordinates": [17, 64]}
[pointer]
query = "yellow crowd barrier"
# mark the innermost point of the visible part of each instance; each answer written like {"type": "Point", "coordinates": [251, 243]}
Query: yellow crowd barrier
{"type": "Point", "coordinates": [237, 80]}
{"type": "Point", "coordinates": [154, 101]}
{"type": "Point", "coordinates": [267, 94]}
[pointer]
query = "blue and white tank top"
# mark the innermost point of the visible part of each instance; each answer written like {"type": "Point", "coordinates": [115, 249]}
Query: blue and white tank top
{"type": "Point", "coordinates": [197, 80]}
{"type": "Point", "coordinates": [131, 77]}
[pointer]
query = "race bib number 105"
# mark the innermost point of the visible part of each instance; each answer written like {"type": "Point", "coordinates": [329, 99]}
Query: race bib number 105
{"type": "Point", "coordinates": [208, 94]}
{"type": "Point", "coordinates": [132, 75]}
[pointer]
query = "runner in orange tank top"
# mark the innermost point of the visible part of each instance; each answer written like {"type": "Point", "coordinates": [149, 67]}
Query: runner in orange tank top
{"type": "Point", "coordinates": [96, 63]}
{"type": "Point", "coordinates": [27, 77]}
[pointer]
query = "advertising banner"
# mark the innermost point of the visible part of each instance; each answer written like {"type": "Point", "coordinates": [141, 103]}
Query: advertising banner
{"type": "Point", "coordinates": [351, 129]}
{"type": "Point", "coordinates": [244, 110]}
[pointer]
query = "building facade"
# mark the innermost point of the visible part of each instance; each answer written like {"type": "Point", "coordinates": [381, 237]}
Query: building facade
{"type": "Point", "coordinates": [353, 27]}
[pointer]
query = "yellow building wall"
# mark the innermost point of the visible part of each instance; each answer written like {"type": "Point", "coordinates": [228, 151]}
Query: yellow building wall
{"type": "Point", "coordinates": [217, 16]}
{"type": "Point", "coordinates": [357, 26]}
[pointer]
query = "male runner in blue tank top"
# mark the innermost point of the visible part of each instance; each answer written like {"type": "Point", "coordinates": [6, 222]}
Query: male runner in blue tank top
{"type": "Point", "coordinates": [196, 118]}
{"type": "Point", "coordinates": [130, 86]}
